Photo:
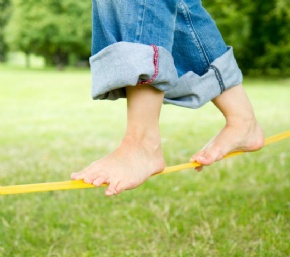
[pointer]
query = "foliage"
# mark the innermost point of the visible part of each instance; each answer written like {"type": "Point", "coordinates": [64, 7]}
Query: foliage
{"type": "Point", "coordinates": [4, 16]}
{"type": "Point", "coordinates": [60, 30]}
{"type": "Point", "coordinates": [258, 30]}
{"type": "Point", "coordinates": [51, 28]}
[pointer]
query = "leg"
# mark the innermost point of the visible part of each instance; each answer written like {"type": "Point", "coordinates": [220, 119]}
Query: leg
{"type": "Point", "coordinates": [241, 132]}
{"type": "Point", "coordinates": [205, 65]}
{"type": "Point", "coordinates": [207, 51]}
{"type": "Point", "coordinates": [139, 155]}
{"type": "Point", "coordinates": [122, 60]}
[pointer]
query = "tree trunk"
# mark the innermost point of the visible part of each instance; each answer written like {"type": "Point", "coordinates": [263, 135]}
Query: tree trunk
{"type": "Point", "coordinates": [27, 60]}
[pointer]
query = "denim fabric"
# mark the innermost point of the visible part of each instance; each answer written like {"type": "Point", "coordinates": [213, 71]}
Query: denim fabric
{"type": "Point", "coordinates": [191, 62]}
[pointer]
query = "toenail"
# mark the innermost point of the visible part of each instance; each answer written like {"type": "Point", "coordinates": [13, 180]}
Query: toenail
{"type": "Point", "coordinates": [86, 180]}
{"type": "Point", "coordinates": [201, 158]}
{"type": "Point", "coordinates": [109, 193]}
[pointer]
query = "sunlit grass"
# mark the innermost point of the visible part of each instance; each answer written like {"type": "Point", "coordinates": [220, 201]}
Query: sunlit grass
{"type": "Point", "coordinates": [50, 127]}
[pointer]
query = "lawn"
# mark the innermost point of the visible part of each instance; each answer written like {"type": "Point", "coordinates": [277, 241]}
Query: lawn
{"type": "Point", "coordinates": [50, 127]}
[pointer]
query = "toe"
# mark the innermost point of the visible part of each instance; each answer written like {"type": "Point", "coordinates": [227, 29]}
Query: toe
{"type": "Point", "coordinates": [112, 188]}
{"type": "Point", "coordinates": [120, 188]}
{"type": "Point", "coordinates": [74, 175]}
{"type": "Point", "coordinates": [92, 175]}
{"type": "Point", "coordinates": [194, 157]}
{"type": "Point", "coordinates": [99, 181]}
{"type": "Point", "coordinates": [204, 160]}
{"type": "Point", "coordinates": [78, 175]}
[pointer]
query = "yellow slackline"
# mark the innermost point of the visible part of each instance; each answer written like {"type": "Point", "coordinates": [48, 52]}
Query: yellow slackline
{"type": "Point", "coordinates": [77, 184]}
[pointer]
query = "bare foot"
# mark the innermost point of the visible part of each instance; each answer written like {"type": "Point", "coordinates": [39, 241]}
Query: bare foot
{"type": "Point", "coordinates": [232, 138]}
{"type": "Point", "coordinates": [241, 132]}
{"type": "Point", "coordinates": [127, 167]}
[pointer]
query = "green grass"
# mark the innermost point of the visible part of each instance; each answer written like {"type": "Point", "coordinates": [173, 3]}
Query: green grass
{"type": "Point", "coordinates": [50, 127]}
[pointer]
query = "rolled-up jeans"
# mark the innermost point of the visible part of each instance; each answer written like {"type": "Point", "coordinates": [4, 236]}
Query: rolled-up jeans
{"type": "Point", "coordinates": [173, 45]}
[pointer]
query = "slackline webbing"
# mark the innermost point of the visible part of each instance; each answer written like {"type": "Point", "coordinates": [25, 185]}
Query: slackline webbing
{"type": "Point", "coordinates": [77, 184]}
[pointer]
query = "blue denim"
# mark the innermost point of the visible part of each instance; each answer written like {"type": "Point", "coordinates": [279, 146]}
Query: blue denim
{"type": "Point", "coordinates": [173, 45]}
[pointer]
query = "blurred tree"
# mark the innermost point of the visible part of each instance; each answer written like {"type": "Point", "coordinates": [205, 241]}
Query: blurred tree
{"type": "Point", "coordinates": [61, 29]}
{"type": "Point", "coordinates": [258, 30]}
{"type": "Point", "coordinates": [276, 55]}
{"type": "Point", "coordinates": [4, 15]}
{"type": "Point", "coordinates": [232, 22]}
{"type": "Point", "coordinates": [268, 45]}
{"type": "Point", "coordinates": [53, 29]}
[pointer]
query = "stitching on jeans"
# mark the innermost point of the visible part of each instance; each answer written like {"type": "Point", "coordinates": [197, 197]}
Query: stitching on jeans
{"type": "Point", "coordinates": [156, 69]}
{"type": "Point", "coordinates": [196, 38]}
{"type": "Point", "coordinates": [140, 21]}
{"type": "Point", "coordinates": [219, 77]}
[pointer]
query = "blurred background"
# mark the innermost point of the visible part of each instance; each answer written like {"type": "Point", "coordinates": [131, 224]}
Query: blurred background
{"type": "Point", "coordinates": [58, 33]}
{"type": "Point", "coordinates": [50, 127]}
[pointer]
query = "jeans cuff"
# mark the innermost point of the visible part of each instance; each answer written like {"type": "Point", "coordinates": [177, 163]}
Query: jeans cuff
{"type": "Point", "coordinates": [193, 91]}
{"type": "Point", "coordinates": [128, 64]}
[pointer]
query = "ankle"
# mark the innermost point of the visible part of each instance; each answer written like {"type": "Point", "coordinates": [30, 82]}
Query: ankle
{"type": "Point", "coordinates": [241, 120]}
{"type": "Point", "coordinates": [149, 141]}
{"type": "Point", "coordinates": [249, 129]}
